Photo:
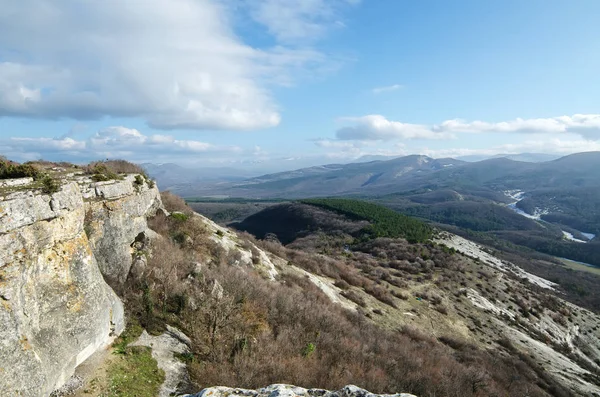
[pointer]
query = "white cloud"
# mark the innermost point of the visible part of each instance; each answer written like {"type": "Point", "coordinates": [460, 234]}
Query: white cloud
{"type": "Point", "coordinates": [298, 20]}
{"type": "Point", "coordinates": [582, 124]}
{"type": "Point", "coordinates": [389, 88]}
{"type": "Point", "coordinates": [175, 63]}
{"type": "Point", "coordinates": [377, 127]}
{"type": "Point", "coordinates": [553, 146]}
{"type": "Point", "coordinates": [113, 142]}
{"type": "Point", "coordinates": [47, 144]}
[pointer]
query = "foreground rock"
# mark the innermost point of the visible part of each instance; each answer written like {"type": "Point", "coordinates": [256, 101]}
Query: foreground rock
{"type": "Point", "coordinates": [291, 391]}
{"type": "Point", "coordinates": [56, 309]}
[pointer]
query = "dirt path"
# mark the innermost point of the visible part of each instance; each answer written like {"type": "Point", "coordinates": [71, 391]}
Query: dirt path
{"type": "Point", "coordinates": [93, 374]}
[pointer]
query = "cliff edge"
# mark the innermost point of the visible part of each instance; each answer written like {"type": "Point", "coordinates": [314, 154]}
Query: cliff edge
{"type": "Point", "coordinates": [56, 309]}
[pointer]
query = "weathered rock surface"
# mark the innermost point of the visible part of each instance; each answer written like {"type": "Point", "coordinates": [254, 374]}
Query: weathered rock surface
{"type": "Point", "coordinates": [56, 309]}
{"type": "Point", "coordinates": [116, 217]}
{"type": "Point", "coordinates": [280, 390]}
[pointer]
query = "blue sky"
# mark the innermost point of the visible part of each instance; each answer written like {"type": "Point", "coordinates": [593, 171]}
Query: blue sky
{"type": "Point", "coordinates": [284, 83]}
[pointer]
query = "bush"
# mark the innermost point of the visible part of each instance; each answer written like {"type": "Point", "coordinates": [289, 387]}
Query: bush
{"type": "Point", "coordinates": [50, 185]}
{"type": "Point", "coordinates": [115, 167]}
{"type": "Point", "coordinates": [179, 216]}
{"type": "Point", "coordinates": [138, 182]}
{"type": "Point", "coordinates": [250, 332]}
{"type": "Point", "coordinates": [101, 172]}
{"type": "Point", "coordinates": [10, 170]}
{"type": "Point", "coordinates": [174, 203]}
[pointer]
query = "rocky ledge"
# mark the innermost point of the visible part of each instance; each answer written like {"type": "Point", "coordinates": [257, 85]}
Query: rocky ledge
{"type": "Point", "coordinates": [280, 390]}
{"type": "Point", "coordinates": [56, 250]}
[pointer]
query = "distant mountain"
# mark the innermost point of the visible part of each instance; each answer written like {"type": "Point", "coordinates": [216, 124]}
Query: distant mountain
{"type": "Point", "coordinates": [525, 157]}
{"type": "Point", "coordinates": [168, 175]}
{"type": "Point", "coordinates": [334, 179]}
{"type": "Point", "coordinates": [530, 157]}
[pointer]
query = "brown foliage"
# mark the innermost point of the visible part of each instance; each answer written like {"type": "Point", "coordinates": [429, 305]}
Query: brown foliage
{"type": "Point", "coordinates": [250, 332]}
{"type": "Point", "coordinates": [115, 166]}
{"type": "Point", "coordinates": [174, 203]}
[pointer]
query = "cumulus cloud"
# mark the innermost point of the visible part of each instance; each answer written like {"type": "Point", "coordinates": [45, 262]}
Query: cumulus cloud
{"type": "Point", "coordinates": [377, 127]}
{"type": "Point", "coordinates": [582, 124]}
{"type": "Point", "coordinates": [174, 63]}
{"type": "Point", "coordinates": [112, 142]}
{"type": "Point", "coordinates": [389, 88]}
{"type": "Point", "coordinates": [554, 146]}
{"type": "Point", "coordinates": [298, 20]}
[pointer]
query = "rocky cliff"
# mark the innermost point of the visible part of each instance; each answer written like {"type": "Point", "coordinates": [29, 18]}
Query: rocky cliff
{"type": "Point", "coordinates": [55, 307]}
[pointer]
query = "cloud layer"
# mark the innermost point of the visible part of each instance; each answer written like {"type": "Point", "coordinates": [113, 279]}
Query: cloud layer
{"type": "Point", "coordinates": [298, 21]}
{"type": "Point", "coordinates": [175, 63]}
{"type": "Point", "coordinates": [113, 142]}
{"type": "Point", "coordinates": [377, 127]}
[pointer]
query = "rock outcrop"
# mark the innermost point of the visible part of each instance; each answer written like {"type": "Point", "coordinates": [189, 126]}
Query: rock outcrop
{"type": "Point", "coordinates": [116, 213]}
{"type": "Point", "coordinates": [55, 307]}
{"type": "Point", "coordinates": [280, 390]}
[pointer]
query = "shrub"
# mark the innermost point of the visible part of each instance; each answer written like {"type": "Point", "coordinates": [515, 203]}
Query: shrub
{"type": "Point", "coordinates": [175, 203]}
{"type": "Point", "coordinates": [100, 172]}
{"type": "Point", "coordinates": [10, 170]}
{"type": "Point", "coordinates": [115, 167]}
{"type": "Point", "coordinates": [179, 216]}
{"type": "Point", "coordinates": [50, 185]}
{"type": "Point", "coordinates": [138, 182]}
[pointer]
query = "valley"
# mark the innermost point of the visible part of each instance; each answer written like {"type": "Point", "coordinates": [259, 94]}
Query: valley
{"type": "Point", "coordinates": [328, 291]}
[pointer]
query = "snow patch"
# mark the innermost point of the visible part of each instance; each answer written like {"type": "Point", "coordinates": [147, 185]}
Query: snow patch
{"type": "Point", "coordinates": [589, 236]}
{"type": "Point", "coordinates": [518, 195]}
{"type": "Point", "coordinates": [569, 236]}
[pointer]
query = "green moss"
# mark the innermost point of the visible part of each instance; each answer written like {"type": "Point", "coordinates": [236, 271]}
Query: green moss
{"type": "Point", "coordinates": [135, 374]}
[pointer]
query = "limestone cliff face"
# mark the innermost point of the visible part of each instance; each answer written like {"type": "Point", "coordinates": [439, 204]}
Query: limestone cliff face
{"type": "Point", "coordinates": [55, 307]}
{"type": "Point", "coordinates": [116, 213]}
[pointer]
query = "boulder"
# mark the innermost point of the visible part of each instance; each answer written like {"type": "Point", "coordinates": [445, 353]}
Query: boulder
{"type": "Point", "coordinates": [281, 390]}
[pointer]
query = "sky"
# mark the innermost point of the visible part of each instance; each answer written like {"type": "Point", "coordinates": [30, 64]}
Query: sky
{"type": "Point", "coordinates": [279, 84]}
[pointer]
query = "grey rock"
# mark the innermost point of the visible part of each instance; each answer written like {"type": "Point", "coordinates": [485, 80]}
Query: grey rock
{"type": "Point", "coordinates": [56, 251]}
{"type": "Point", "coordinates": [59, 309]}
{"type": "Point", "coordinates": [138, 268]}
{"type": "Point", "coordinates": [117, 223]}
{"type": "Point", "coordinates": [282, 390]}
{"type": "Point", "coordinates": [15, 182]}
{"type": "Point", "coordinates": [217, 291]}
